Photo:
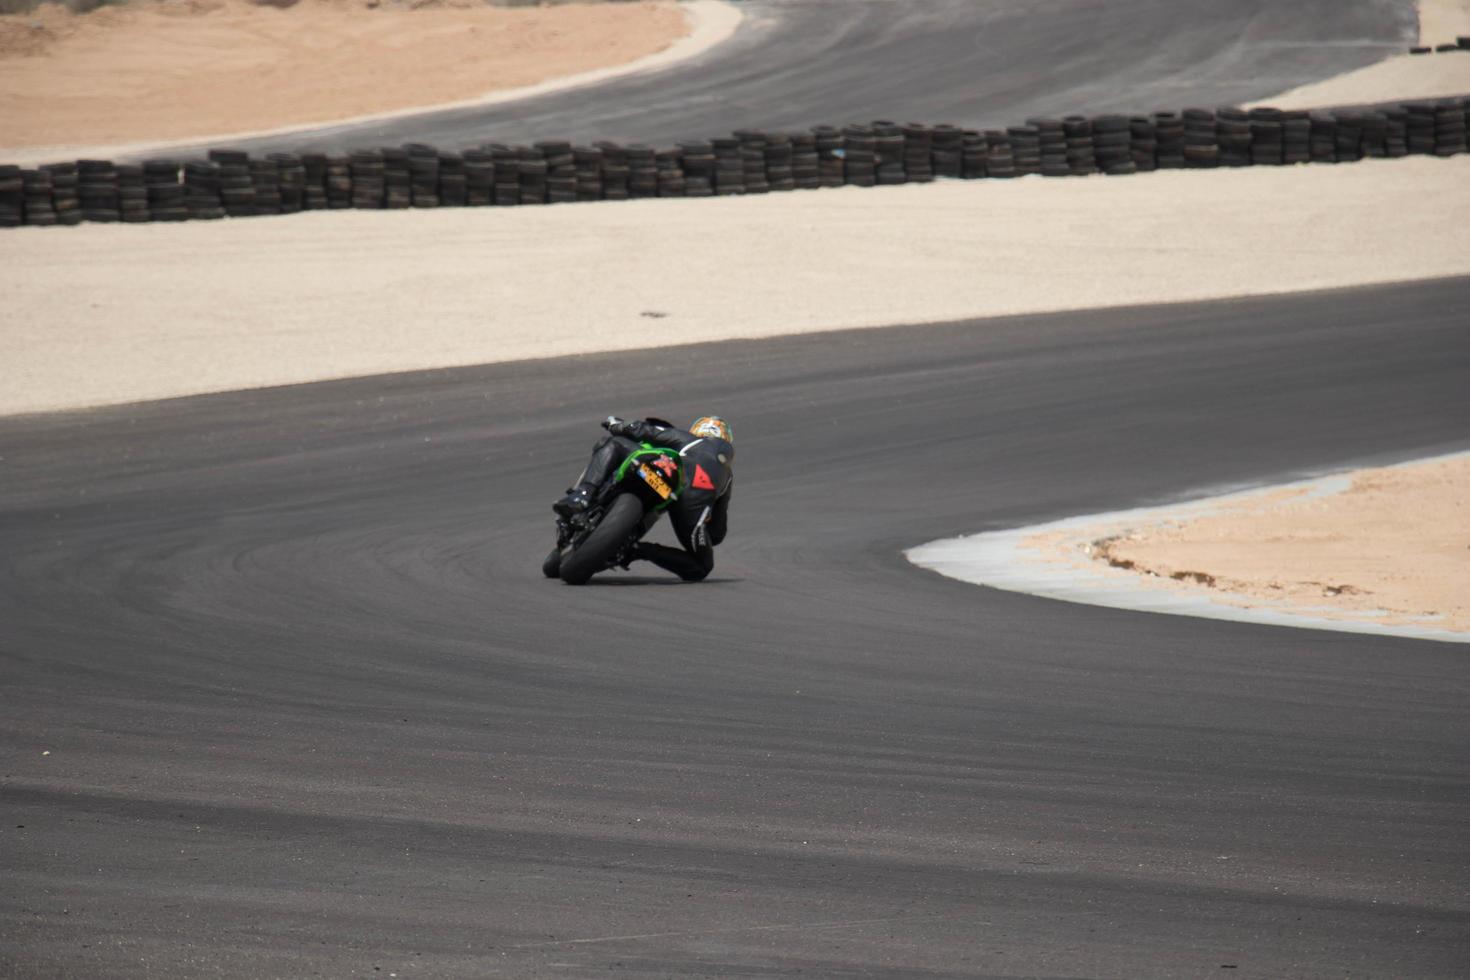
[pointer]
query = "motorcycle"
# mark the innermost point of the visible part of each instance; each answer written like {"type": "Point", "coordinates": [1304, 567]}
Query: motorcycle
{"type": "Point", "coordinates": [621, 511]}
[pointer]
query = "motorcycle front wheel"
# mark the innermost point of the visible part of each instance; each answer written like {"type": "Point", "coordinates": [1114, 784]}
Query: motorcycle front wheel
{"type": "Point", "coordinates": [598, 549]}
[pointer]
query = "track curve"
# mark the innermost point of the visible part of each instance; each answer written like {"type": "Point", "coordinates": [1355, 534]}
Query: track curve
{"type": "Point", "coordinates": [797, 63]}
{"type": "Point", "coordinates": [310, 707]}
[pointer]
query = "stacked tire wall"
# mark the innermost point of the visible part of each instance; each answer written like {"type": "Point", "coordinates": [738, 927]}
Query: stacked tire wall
{"type": "Point", "coordinates": [231, 183]}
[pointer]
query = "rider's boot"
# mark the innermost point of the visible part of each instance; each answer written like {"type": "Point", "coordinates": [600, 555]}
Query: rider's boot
{"type": "Point", "coordinates": [575, 502]}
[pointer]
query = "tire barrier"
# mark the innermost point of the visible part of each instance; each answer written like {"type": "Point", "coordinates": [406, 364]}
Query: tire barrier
{"type": "Point", "coordinates": [231, 183]}
{"type": "Point", "coordinates": [1461, 43]}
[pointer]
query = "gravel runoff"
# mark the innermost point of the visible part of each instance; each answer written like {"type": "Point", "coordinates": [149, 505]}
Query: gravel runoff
{"type": "Point", "coordinates": [336, 94]}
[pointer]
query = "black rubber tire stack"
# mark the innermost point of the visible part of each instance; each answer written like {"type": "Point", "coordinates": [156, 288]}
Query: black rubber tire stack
{"type": "Point", "coordinates": [779, 154]}
{"type": "Point", "coordinates": [753, 159]}
{"type": "Point", "coordinates": [1026, 148]}
{"type": "Point", "coordinates": [805, 168]}
{"type": "Point", "coordinates": [1420, 49]}
{"type": "Point", "coordinates": [479, 176]}
{"type": "Point", "coordinates": [1296, 136]}
{"type": "Point", "coordinates": [974, 155]}
{"type": "Point", "coordinates": [1323, 144]}
{"type": "Point", "coordinates": [1420, 127]}
{"type": "Point", "coordinates": [12, 196]}
{"type": "Point", "coordinates": [859, 156]}
{"type": "Point", "coordinates": [918, 153]}
{"type": "Point", "coordinates": [1000, 157]}
{"type": "Point", "coordinates": [166, 195]}
{"type": "Point", "coordinates": [1169, 137]}
{"type": "Point", "coordinates": [697, 159]}
{"type": "Point", "coordinates": [132, 195]}
{"type": "Point", "coordinates": [313, 181]}
{"type": "Point", "coordinates": [670, 163]}
{"type": "Point", "coordinates": [1442, 48]}
{"type": "Point", "coordinates": [1396, 127]}
{"type": "Point", "coordinates": [1204, 143]}
{"type": "Point", "coordinates": [290, 181]}
{"type": "Point", "coordinates": [1051, 147]}
{"type": "Point", "coordinates": [533, 172]}
{"type": "Point", "coordinates": [1143, 143]}
{"type": "Point", "coordinates": [507, 175]}
{"type": "Point", "coordinates": [614, 172]}
{"type": "Point", "coordinates": [1112, 144]}
{"type": "Point", "coordinates": [397, 178]}
{"type": "Point", "coordinates": [948, 151]}
{"type": "Point", "coordinates": [1463, 42]}
{"type": "Point", "coordinates": [561, 171]}
{"type": "Point", "coordinates": [97, 189]}
{"type": "Point", "coordinates": [64, 192]}
{"type": "Point", "coordinates": [729, 166]}
{"type": "Point", "coordinates": [38, 204]}
{"type": "Point", "coordinates": [1081, 156]}
{"type": "Point", "coordinates": [368, 183]}
{"type": "Point", "coordinates": [1350, 137]}
{"type": "Point", "coordinates": [888, 143]}
{"type": "Point", "coordinates": [453, 186]}
{"type": "Point", "coordinates": [830, 150]}
{"type": "Point", "coordinates": [423, 175]}
{"type": "Point", "coordinates": [1233, 129]}
{"type": "Point", "coordinates": [642, 171]}
{"type": "Point", "coordinates": [1267, 146]}
{"type": "Point", "coordinates": [587, 166]}
{"type": "Point", "coordinates": [265, 176]}
{"type": "Point", "coordinates": [1375, 133]}
{"type": "Point", "coordinates": [1348, 141]}
{"type": "Point", "coordinates": [1449, 127]}
{"type": "Point", "coordinates": [202, 193]}
{"type": "Point", "coordinates": [235, 188]}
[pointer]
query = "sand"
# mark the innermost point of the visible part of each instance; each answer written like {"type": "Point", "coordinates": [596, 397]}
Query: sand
{"type": "Point", "coordinates": [1394, 543]}
{"type": "Point", "coordinates": [177, 69]}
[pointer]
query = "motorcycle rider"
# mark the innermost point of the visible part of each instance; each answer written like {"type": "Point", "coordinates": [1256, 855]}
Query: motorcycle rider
{"type": "Point", "coordinates": [700, 513]}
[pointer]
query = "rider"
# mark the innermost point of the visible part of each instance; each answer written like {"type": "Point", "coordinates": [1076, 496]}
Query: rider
{"type": "Point", "coordinates": [698, 515]}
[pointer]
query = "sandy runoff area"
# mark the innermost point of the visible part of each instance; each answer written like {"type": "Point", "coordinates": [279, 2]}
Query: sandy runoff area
{"type": "Point", "coordinates": [164, 69]}
{"type": "Point", "coordinates": [104, 314]}
{"type": "Point", "coordinates": [1390, 545]}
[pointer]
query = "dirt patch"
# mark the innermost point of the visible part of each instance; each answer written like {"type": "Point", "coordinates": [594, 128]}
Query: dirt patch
{"type": "Point", "coordinates": [173, 69]}
{"type": "Point", "coordinates": [1393, 545]}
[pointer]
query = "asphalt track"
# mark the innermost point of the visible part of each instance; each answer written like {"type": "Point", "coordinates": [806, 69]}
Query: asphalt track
{"type": "Point", "coordinates": [988, 63]}
{"type": "Point", "coordinates": [311, 710]}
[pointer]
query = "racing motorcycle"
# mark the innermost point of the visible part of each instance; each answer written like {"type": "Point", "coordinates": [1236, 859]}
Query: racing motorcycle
{"type": "Point", "coordinates": [621, 511]}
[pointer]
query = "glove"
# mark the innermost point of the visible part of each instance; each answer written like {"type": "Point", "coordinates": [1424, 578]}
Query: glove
{"type": "Point", "coordinates": [613, 424]}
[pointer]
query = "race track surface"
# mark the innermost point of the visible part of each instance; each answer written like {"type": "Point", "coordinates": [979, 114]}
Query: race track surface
{"type": "Point", "coordinates": [311, 710]}
{"type": "Point", "coordinates": [799, 63]}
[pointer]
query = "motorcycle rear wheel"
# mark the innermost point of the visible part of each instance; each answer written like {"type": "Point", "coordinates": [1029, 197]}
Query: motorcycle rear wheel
{"type": "Point", "coordinates": [596, 552]}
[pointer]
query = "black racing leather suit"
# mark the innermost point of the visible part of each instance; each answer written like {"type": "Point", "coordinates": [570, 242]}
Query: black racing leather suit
{"type": "Point", "coordinates": [701, 514]}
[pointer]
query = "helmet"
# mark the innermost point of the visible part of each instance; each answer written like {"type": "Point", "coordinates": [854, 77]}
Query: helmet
{"type": "Point", "coordinates": [713, 426]}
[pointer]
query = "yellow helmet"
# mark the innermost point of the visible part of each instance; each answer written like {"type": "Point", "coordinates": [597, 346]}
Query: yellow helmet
{"type": "Point", "coordinates": [712, 426]}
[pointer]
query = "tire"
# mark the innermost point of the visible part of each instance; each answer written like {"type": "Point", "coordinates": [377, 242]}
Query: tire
{"type": "Point", "coordinates": [604, 541]}
{"type": "Point", "coordinates": [551, 567]}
